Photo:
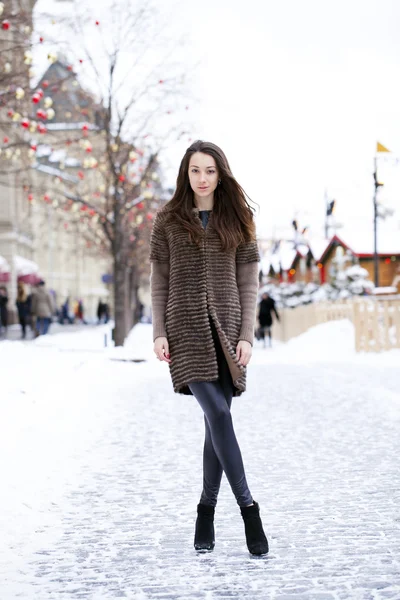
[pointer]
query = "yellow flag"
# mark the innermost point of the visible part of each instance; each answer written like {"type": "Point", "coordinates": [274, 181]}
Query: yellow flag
{"type": "Point", "coordinates": [380, 148]}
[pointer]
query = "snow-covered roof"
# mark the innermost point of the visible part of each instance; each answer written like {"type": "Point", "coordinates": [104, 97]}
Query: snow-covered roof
{"type": "Point", "coordinates": [281, 258]}
{"type": "Point", "coordinates": [56, 156]}
{"type": "Point", "coordinates": [265, 263]}
{"type": "Point", "coordinates": [55, 172]}
{"type": "Point", "coordinates": [318, 246]}
{"type": "Point", "coordinates": [4, 266]}
{"type": "Point", "coordinates": [303, 249]}
{"type": "Point", "coordinates": [24, 266]}
{"type": "Point", "coordinates": [70, 126]}
{"type": "Point", "coordinates": [361, 242]}
{"type": "Point", "coordinates": [287, 254]}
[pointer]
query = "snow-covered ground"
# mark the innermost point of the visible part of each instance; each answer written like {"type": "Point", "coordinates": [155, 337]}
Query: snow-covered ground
{"type": "Point", "coordinates": [100, 464]}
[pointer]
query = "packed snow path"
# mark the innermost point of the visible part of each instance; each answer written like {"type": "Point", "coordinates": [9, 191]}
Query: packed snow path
{"type": "Point", "coordinates": [101, 474]}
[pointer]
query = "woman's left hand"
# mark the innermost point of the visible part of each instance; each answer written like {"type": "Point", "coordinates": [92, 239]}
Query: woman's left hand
{"type": "Point", "coordinates": [243, 352]}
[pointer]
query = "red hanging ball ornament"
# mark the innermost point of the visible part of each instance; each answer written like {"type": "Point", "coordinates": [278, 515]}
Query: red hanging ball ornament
{"type": "Point", "coordinates": [5, 25]}
{"type": "Point", "coordinates": [161, 81]}
{"type": "Point", "coordinates": [30, 197]}
{"type": "Point", "coordinates": [5, 140]}
{"type": "Point", "coordinates": [41, 114]}
{"type": "Point", "coordinates": [81, 175]}
{"type": "Point", "coordinates": [69, 67]}
{"type": "Point", "coordinates": [83, 208]}
{"type": "Point", "coordinates": [33, 147]}
{"type": "Point", "coordinates": [41, 128]}
{"type": "Point", "coordinates": [10, 113]}
{"type": "Point", "coordinates": [97, 22]}
{"type": "Point", "coordinates": [85, 127]}
{"type": "Point", "coordinates": [89, 149]}
{"type": "Point", "coordinates": [36, 98]}
{"type": "Point", "coordinates": [40, 93]}
{"type": "Point", "coordinates": [46, 198]}
{"type": "Point", "coordinates": [25, 123]}
{"type": "Point", "coordinates": [122, 178]}
{"type": "Point", "coordinates": [45, 84]}
{"type": "Point", "coordinates": [80, 60]}
{"type": "Point", "coordinates": [149, 216]}
{"type": "Point", "coordinates": [140, 206]}
{"type": "Point", "coordinates": [41, 40]}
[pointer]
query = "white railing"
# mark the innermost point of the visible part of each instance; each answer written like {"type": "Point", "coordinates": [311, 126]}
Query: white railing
{"type": "Point", "coordinates": [376, 321]}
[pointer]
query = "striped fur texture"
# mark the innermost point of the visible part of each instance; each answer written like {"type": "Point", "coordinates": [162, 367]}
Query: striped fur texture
{"type": "Point", "coordinates": [201, 281]}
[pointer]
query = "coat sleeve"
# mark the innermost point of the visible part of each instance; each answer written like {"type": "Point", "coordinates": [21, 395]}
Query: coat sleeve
{"type": "Point", "coordinates": [159, 277]}
{"type": "Point", "coordinates": [247, 281]}
{"type": "Point", "coordinates": [159, 288]}
{"type": "Point", "coordinates": [247, 258]}
{"type": "Point", "coordinates": [159, 250]}
{"type": "Point", "coordinates": [247, 252]}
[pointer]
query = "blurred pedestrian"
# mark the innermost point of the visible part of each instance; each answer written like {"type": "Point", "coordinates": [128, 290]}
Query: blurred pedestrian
{"type": "Point", "coordinates": [65, 313]}
{"type": "Point", "coordinates": [100, 311]}
{"type": "Point", "coordinates": [23, 303]}
{"type": "Point", "coordinates": [42, 308]}
{"type": "Point", "coordinates": [3, 310]}
{"type": "Point", "coordinates": [204, 284]}
{"type": "Point", "coordinates": [81, 312]}
{"type": "Point", "coordinates": [267, 306]}
{"type": "Point", "coordinates": [106, 312]}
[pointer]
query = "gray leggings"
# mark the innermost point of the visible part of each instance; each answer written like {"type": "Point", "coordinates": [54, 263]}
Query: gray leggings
{"type": "Point", "coordinates": [221, 449]}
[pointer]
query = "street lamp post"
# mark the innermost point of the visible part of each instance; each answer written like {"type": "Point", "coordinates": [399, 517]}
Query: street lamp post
{"type": "Point", "coordinates": [377, 185]}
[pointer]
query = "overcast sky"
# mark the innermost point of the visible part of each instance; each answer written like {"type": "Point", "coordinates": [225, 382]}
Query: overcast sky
{"type": "Point", "coordinates": [297, 93]}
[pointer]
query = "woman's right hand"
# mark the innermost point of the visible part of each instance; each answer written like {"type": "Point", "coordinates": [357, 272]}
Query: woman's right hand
{"type": "Point", "coordinates": [161, 349]}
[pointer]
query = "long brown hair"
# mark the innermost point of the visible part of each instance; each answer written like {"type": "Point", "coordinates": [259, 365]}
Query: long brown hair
{"type": "Point", "coordinates": [232, 213]}
{"type": "Point", "coordinates": [22, 295]}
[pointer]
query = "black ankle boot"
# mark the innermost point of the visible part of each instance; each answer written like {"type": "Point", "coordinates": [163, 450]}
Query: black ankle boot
{"type": "Point", "coordinates": [257, 542]}
{"type": "Point", "coordinates": [204, 538]}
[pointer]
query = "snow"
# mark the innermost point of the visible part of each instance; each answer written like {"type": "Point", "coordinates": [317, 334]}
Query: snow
{"type": "Point", "coordinates": [25, 266]}
{"type": "Point", "coordinates": [101, 472]}
{"type": "Point", "coordinates": [331, 342]}
{"type": "Point", "coordinates": [4, 266]}
{"type": "Point", "coordinates": [384, 290]}
{"type": "Point", "coordinates": [55, 172]}
{"type": "Point", "coordinates": [318, 246]}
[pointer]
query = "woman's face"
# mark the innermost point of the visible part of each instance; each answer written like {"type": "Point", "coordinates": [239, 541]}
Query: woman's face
{"type": "Point", "coordinates": [203, 174]}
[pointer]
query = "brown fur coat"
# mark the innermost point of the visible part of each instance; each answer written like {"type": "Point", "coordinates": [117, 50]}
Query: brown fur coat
{"type": "Point", "coordinates": [188, 283]}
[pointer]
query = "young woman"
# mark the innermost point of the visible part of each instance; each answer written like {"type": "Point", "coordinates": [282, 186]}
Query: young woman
{"type": "Point", "coordinates": [204, 282]}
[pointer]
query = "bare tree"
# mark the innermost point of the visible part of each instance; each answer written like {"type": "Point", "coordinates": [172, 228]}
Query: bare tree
{"type": "Point", "coordinates": [136, 113]}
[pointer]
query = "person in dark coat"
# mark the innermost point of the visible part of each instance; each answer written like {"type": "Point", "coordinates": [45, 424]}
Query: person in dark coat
{"type": "Point", "coordinates": [267, 306]}
{"type": "Point", "coordinates": [65, 313]}
{"type": "Point", "coordinates": [3, 309]}
{"type": "Point", "coordinates": [24, 307]}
